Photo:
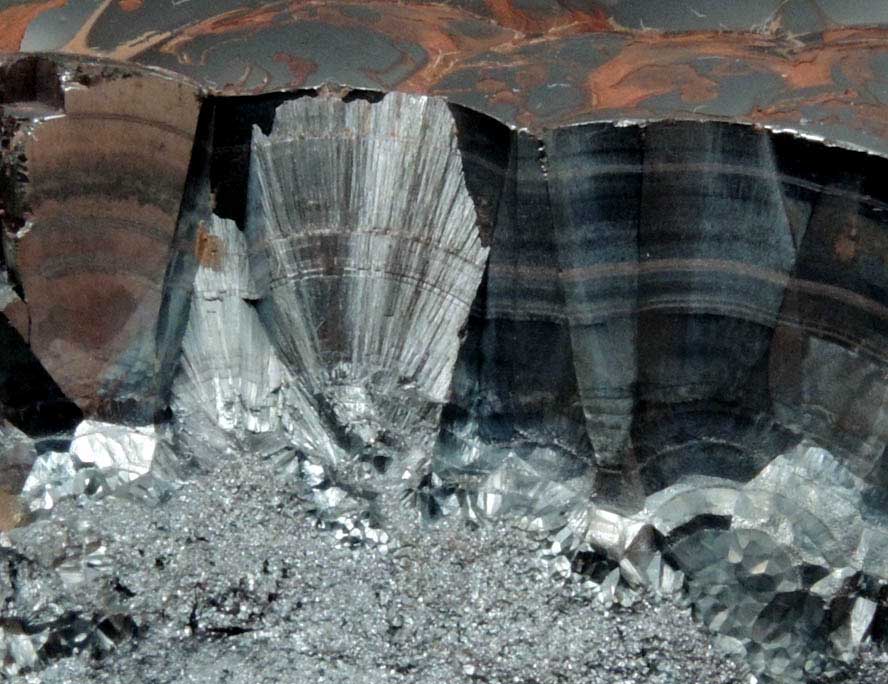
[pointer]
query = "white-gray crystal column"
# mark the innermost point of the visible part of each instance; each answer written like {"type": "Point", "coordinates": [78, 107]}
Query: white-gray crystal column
{"type": "Point", "coordinates": [364, 238]}
{"type": "Point", "coordinates": [231, 370]}
{"type": "Point", "coordinates": [231, 374]}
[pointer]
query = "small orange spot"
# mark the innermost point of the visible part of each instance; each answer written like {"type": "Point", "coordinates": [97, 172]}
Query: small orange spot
{"type": "Point", "coordinates": [300, 69]}
{"type": "Point", "coordinates": [130, 5]}
{"type": "Point", "coordinates": [489, 86]}
{"type": "Point", "coordinates": [11, 512]}
{"type": "Point", "coordinates": [208, 249]}
{"type": "Point", "coordinates": [505, 97]}
{"type": "Point", "coordinates": [846, 248]}
{"type": "Point", "coordinates": [812, 71]}
{"type": "Point", "coordinates": [14, 21]}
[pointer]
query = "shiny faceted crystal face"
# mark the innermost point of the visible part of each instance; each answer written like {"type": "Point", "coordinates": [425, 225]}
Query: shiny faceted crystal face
{"type": "Point", "coordinates": [254, 345]}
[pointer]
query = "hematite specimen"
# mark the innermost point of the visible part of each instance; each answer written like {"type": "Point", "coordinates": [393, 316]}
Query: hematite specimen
{"type": "Point", "coordinates": [93, 233]}
{"type": "Point", "coordinates": [366, 251]}
{"type": "Point", "coordinates": [657, 348]}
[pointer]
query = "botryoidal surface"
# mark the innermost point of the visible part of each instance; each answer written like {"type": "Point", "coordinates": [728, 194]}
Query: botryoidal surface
{"type": "Point", "coordinates": [655, 355]}
{"type": "Point", "coordinates": [232, 581]}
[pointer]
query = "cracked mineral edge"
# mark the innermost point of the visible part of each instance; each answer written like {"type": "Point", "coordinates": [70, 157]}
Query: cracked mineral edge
{"type": "Point", "coordinates": [339, 479]}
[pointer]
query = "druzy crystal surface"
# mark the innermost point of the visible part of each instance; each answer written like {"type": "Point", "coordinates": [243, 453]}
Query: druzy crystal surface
{"type": "Point", "coordinates": [252, 342]}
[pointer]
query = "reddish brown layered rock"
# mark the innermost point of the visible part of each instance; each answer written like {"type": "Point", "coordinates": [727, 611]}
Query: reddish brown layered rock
{"type": "Point", "coordinates": [99, 210]}
{"type": "Point", "coordinates": [532, 63]}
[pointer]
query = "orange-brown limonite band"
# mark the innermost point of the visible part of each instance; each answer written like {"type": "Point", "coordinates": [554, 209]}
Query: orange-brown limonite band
{"type": "Point", "coordinates": [533, 65]}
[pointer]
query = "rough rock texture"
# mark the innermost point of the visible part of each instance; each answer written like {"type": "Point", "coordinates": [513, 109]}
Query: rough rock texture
{"type": "Point", "coordinates": [657, 350]}
{"type": "Point", "coordinates": [231, 580]}
{"type": "Point", "coordinates": [815, 66]}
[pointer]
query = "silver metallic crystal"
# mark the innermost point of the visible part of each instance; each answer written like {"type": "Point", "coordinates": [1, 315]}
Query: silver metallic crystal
{"type": "Point", "coordinates": [229, 368]}
{"type": "Point", "coordinates": [103, 458]}
{"type": "Point", "coordinates": [365, 247]}
{"type": "Point", "coordinates": [319, 350]}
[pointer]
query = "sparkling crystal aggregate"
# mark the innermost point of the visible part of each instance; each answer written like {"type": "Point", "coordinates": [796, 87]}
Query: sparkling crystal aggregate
{"type": "Point", "coordinates": [630, 364]}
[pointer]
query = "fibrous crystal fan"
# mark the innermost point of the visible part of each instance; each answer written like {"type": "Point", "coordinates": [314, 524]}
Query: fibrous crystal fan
{"type": "Point", "coordinates": [648, 341]}
{"type": "Point", "coordinates": [365, 245]}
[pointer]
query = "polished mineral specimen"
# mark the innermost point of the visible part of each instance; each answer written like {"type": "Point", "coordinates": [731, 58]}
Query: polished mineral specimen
{"type": "Point", "coordinates": [229, 369]}
{"type": "Point", "coordinates": [651, 353]}
{"type": "Point", "coordinates": [366, 252]}
{"type": "Point", "coordinates": [91, 254]}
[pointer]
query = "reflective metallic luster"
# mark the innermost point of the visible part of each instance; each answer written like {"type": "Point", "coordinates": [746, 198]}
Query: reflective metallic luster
{"type": "Point", "coordinates": [782, 581]}
{"type": "Point", "coordinates": [104, 458]}
{"type": "Point", "coordinates": [18, 649]}
{"type": "Point", "coordinates": [53, 477]}
{"type": "Point", "coordinates": [325, 339]}
{"type": "Point", "coordinates": [809, 67]}
{"type": "Point", "coordinates": [229, 370]}
{"type": "Point", "coordinates": [788, 579]}
{"type": "Point", "coordinates": [129, 451]}
{"type": "Point", "coordinates": [757, 554]}
{"type": "Point", "coordinates": [366, 252]}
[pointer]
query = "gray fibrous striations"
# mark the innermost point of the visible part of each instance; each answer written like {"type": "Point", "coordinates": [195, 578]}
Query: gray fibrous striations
{"type": "Point", "coordinates": [231, 379]}
{"type": "Point", "coordinates": [229, 369]}
{"type": "Point", "coordinates": [656, 350]}
{"type": "Point", "coordinates": [365, 247]}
